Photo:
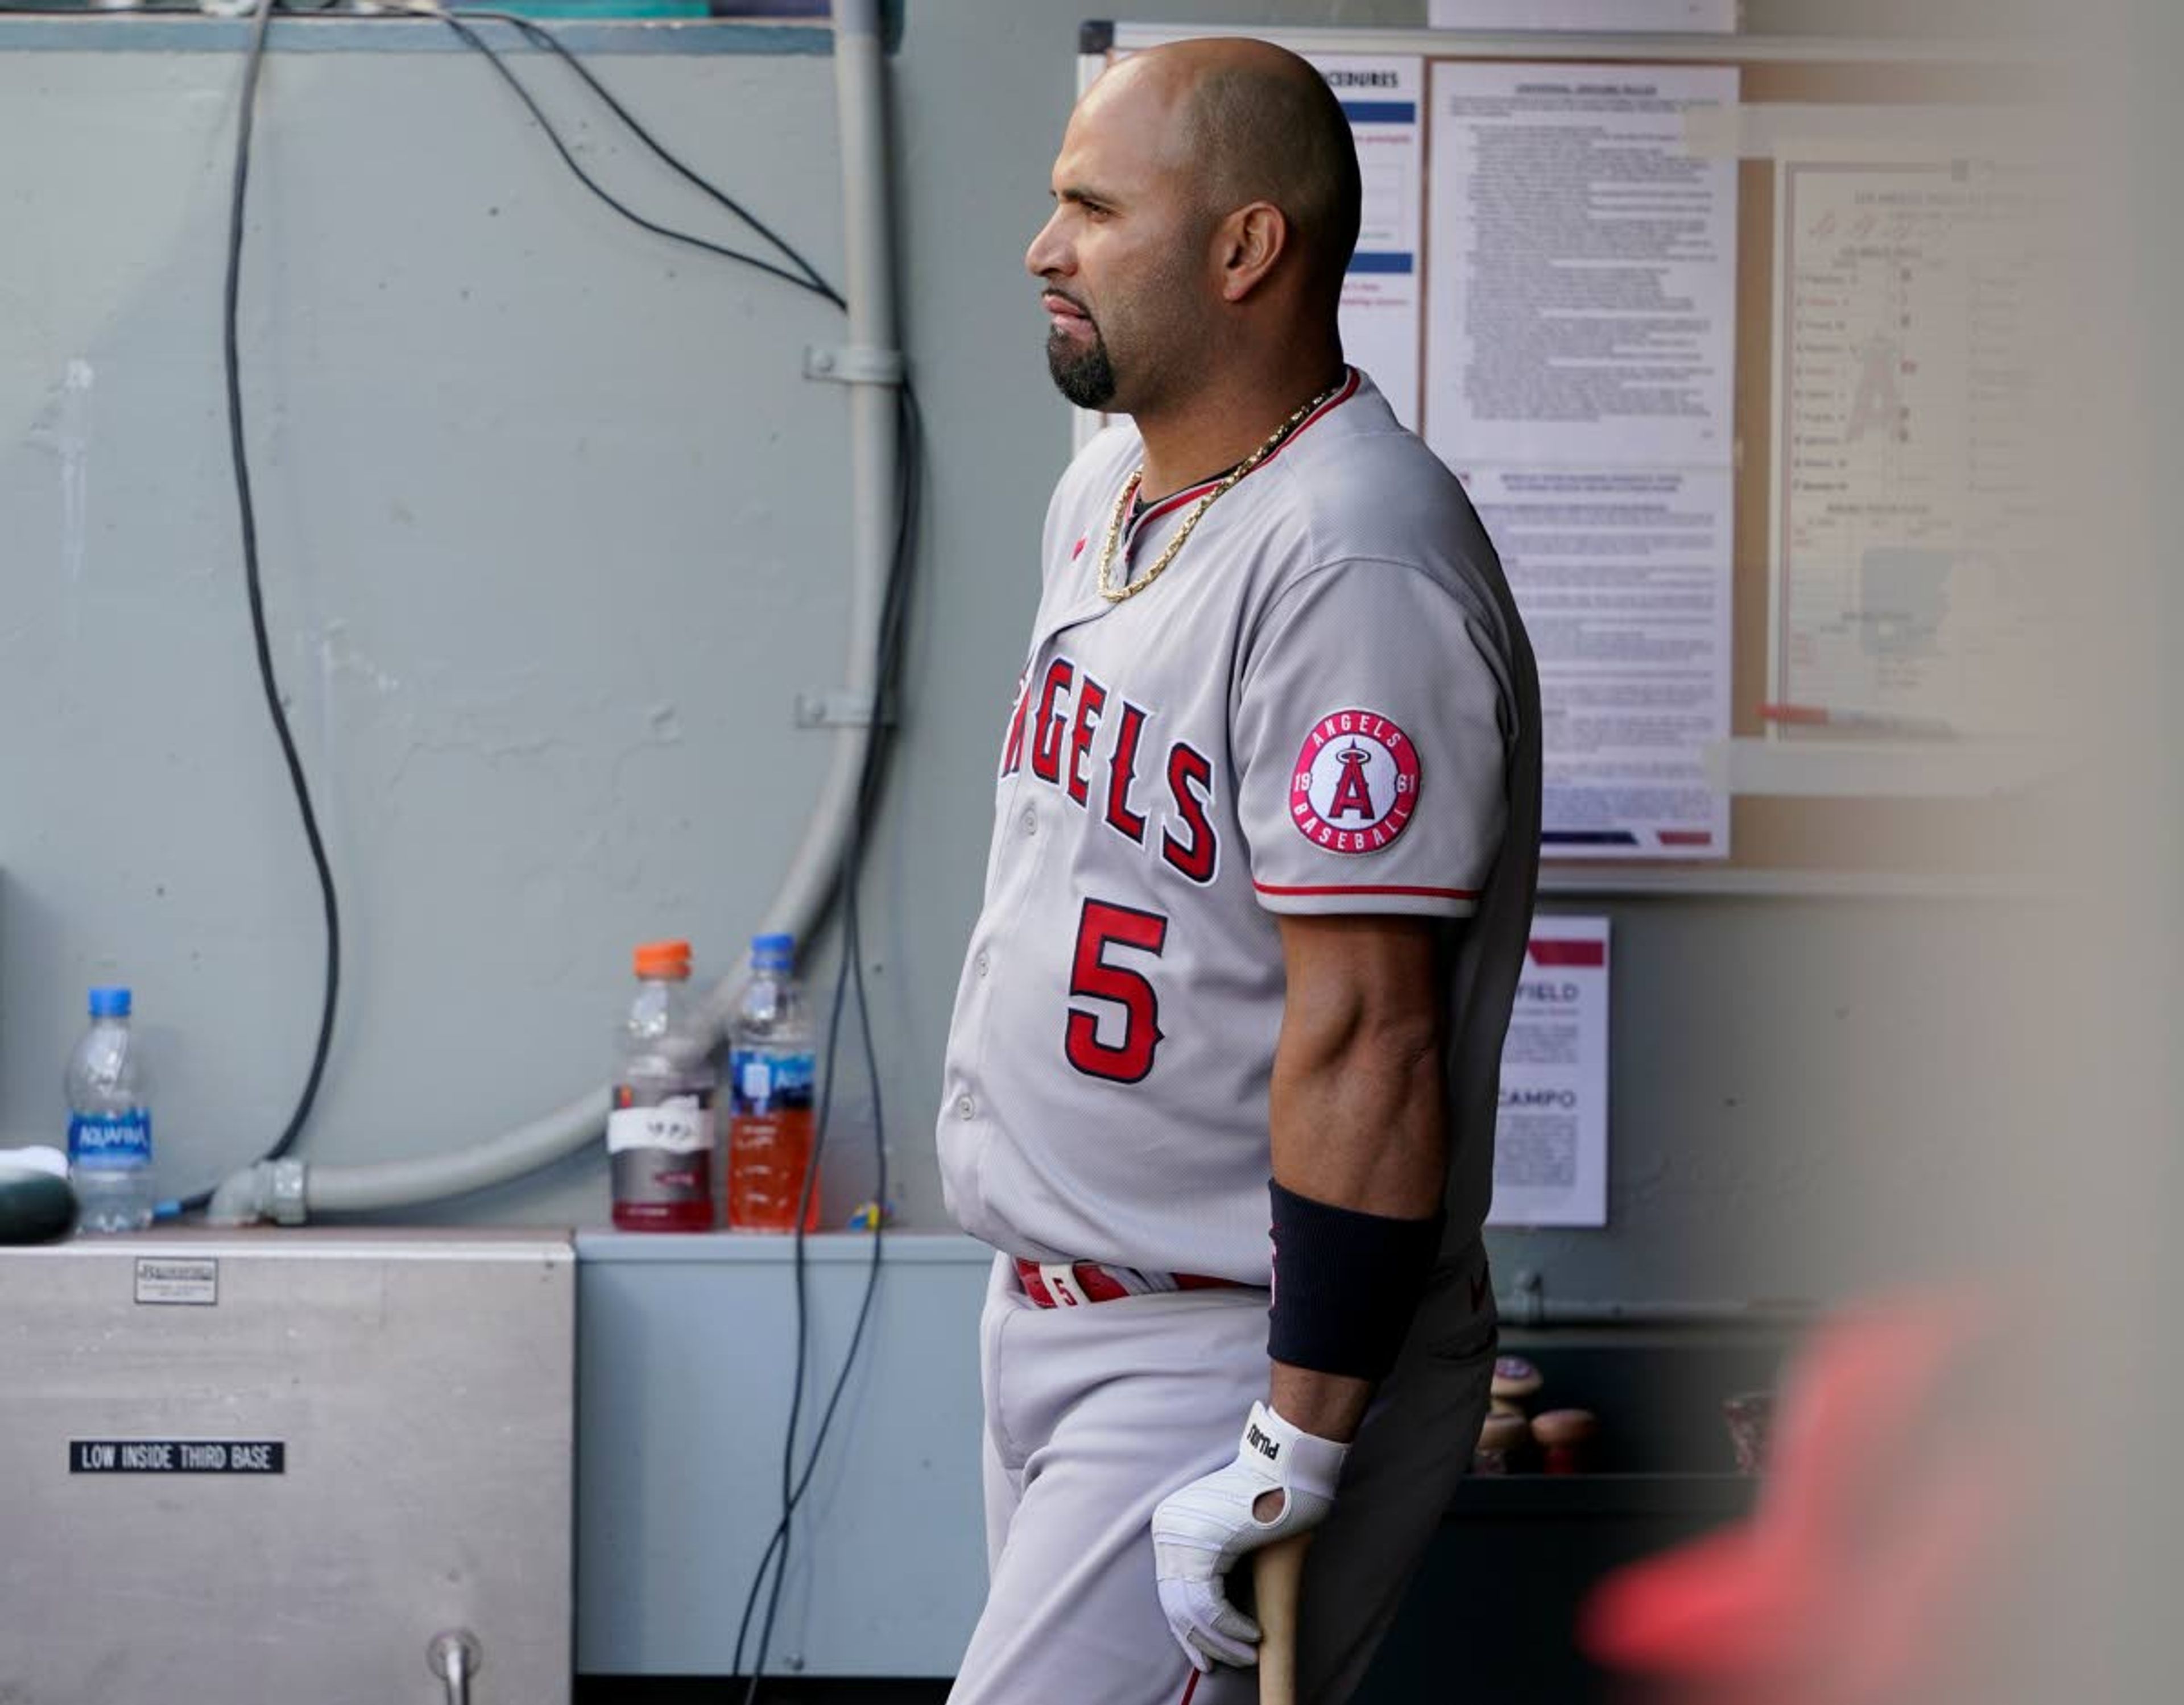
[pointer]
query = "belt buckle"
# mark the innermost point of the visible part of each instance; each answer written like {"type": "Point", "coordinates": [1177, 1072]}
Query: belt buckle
{"type": "Point", "coordinates": [1060, 1278]}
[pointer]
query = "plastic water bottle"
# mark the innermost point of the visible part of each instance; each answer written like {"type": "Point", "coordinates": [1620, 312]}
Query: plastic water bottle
{"type": "Point", "coordinates": [110, 1142]}
{"type": "Point", "coordinates": [661, 1126]}
{"type": "Point", "coordinates": [770, 1079]}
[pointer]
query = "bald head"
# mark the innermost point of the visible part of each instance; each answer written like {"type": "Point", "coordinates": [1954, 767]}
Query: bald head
{"type": "Point", "coordinates": [1256, 123]}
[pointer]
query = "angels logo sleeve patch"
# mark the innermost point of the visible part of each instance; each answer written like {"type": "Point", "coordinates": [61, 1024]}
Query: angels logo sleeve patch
{"type": "Point", "coordinates": [1355, 783]}
{"type": "Point", "coordinates": [1370, 740]}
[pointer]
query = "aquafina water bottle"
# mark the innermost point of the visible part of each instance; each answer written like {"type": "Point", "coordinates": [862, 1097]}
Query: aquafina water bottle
{"type": "Point", "coordinates": [110, 1143]}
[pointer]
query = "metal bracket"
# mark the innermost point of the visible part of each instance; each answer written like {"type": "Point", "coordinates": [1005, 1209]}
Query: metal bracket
{"type": "Point", "coordinates": [839, 708]}
{"type": "Point", "coordinates": [287, 1196]}
{"type": "Point", "coordinates": [853, 363]}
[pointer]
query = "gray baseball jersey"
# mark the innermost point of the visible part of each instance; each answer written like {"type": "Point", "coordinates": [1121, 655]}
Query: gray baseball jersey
{"type": "Point", "coordinates": [1326, 705]}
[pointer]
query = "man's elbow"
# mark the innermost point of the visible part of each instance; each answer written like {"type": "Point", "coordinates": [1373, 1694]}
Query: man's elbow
{"type": "Point", "coordinates": [1357, 1033]}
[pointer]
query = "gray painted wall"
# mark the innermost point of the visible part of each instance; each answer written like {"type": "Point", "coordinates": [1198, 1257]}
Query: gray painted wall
{"type": "Point", "coordinates": [554, 534]}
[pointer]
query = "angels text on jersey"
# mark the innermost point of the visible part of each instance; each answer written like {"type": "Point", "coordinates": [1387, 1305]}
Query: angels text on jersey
{"type": "Point", "coordinates": [1136, 792]}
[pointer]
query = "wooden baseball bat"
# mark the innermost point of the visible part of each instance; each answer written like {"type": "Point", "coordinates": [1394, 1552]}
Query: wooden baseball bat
{"type": "Point", "coordinates": [1277, 1588]}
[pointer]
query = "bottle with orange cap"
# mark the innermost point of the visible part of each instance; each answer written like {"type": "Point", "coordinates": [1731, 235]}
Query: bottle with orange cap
{"type": "Point", "coordinates": [661, 1129]}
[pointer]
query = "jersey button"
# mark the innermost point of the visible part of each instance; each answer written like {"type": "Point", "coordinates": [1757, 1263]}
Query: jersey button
{"type": "Point", "coordinates": [983, 963]}
{"type": "Point", "coordinates": [1030, 821]}
{"type": "Point", "coordinates": [964, 1107]}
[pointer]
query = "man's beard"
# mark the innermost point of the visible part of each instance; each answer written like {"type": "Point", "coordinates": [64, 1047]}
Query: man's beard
{"type": "Point", "coordinates": [1086, 378]}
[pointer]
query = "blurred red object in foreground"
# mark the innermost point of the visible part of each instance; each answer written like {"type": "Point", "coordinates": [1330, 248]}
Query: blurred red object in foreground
{"type": "Point", "coordinates": [1882, 1535]}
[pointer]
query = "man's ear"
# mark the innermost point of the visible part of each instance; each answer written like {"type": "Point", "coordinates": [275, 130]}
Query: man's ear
{"type": "Point", "coordinates": [1250, 241]}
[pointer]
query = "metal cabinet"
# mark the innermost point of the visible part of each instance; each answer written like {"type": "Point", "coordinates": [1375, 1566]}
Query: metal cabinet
{"type": "Point", "coordinates": [274, 1466]}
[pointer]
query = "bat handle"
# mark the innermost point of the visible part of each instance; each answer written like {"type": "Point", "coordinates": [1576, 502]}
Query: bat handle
{"type": "Point", "coordinates": [1277, 1587]}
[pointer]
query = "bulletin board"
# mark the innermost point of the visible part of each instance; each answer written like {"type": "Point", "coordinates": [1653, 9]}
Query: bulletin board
{"type": "Point", "coordinates": [1810, 809]}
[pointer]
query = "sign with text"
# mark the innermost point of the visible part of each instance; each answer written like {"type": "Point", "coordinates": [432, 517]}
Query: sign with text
{"type": "Point", "coordinates": [1551, 1132]}
{"type": "Point", "coordinates": [178, 1457]}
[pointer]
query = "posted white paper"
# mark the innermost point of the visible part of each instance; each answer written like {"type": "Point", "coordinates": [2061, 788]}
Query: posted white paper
{"type": "Point", "coordinates": [1910, 583]}
{"type": "Point", "coordinates": [1579, 377]}
{"type": "Point", "coordinates": [1623, 576]}
{"type": "Point", "coordinates": [1384, 99]}
{"type": "Point", "coordinates": [1550, 1136]}
{"type": "Point", "coordinates": [1596, 15]}
{"type": "Point", "coordinates": [1584, 265]}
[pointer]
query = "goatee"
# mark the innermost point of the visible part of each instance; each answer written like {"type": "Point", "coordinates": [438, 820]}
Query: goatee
{"type": "Point", "coordinates": [1085, 377]}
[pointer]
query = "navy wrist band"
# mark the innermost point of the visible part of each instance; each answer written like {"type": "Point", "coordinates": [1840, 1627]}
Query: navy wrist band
{"type": "Point", "coordinates": [1346, 1284]}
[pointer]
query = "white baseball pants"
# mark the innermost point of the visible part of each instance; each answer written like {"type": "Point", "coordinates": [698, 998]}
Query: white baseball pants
{"type": "Point", "coordinates": [1095, 1413]}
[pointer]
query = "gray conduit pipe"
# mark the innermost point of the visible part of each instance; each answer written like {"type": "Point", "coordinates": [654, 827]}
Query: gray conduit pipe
{"type": "Point", "coordinates": [289, 1191]}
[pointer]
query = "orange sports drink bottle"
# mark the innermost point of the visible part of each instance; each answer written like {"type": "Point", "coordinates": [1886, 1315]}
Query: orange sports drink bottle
{"type": "Point", "coordinates": [770, 1094]}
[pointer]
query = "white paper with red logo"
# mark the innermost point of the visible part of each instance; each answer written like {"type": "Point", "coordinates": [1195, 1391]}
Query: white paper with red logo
{"type": "Point", "coordinates": [1370, 747]}
{"type": "Point", "coordinates": [1551, 1130]}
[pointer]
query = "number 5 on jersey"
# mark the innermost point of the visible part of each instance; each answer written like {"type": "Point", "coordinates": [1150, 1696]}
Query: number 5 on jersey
{"type": "Point", "coordinates": [1104, 931]}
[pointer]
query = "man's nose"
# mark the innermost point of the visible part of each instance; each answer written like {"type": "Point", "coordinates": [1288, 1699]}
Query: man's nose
{"type": "Point", "coordinates": [1048, 253]}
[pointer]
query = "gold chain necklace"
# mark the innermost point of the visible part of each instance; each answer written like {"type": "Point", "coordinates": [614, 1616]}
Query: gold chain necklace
{"type": "Point", "coordinates": [1130, 588]}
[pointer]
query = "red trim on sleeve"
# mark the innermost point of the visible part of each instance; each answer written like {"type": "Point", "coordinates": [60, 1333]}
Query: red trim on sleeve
{"type": "Point", "coordinates": [1370, 887]}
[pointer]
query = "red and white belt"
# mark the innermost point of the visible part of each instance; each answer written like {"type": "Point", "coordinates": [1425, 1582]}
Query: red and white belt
{"type": "Point", "coordinates": [1072, 1283]}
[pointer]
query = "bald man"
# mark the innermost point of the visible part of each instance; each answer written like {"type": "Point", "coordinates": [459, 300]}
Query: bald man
{"type": "Point", "coordinates": [1261, 873]}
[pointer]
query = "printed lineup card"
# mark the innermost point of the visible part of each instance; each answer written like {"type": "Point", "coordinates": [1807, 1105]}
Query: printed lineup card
{"type": "Point", "coordinates": [1914, 588]}
{"type": "Point", "coordinates": [1550, 1135]}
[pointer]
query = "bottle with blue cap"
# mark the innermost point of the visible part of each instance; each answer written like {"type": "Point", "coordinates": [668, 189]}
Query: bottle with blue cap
{"type": "Point", "coordinates": [109, 1146]}
{"type": "Point", "coordinates": [769, 1077]}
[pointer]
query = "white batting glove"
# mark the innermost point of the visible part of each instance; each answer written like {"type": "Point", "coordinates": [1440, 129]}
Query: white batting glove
{"type": "Point", "coordinates": [1201, 1529]}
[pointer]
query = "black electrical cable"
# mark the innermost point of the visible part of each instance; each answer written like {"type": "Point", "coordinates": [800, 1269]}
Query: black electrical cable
{"type": "Point", "coordinates": [261, 22]}
{"type": "Point", "coordinates": [539, 36]}
{"type": "Point", "coordinates": [239, 456]}
{"type": "Point", "coordinates": [887, 672]}
{"type": "Point", "coordinates": [805, 281]}
{"type": "Point", "coordinates": [791, 1491]}
{"type": "Point", "coordinates": [851, 972]}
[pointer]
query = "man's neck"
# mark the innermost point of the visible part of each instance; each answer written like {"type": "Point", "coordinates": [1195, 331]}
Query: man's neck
{"type": "Point", "coordinates": [1219, 426]}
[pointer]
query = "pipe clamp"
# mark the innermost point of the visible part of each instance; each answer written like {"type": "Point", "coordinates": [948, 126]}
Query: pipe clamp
{"type": "Point", "coordinates": [839, 709]}
{"type": "Point", "coordinates": [853, 363]}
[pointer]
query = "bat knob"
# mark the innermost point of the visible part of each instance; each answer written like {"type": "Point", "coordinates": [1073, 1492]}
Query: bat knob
{"type": "Point", "coordinates": [1565, 1438]}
